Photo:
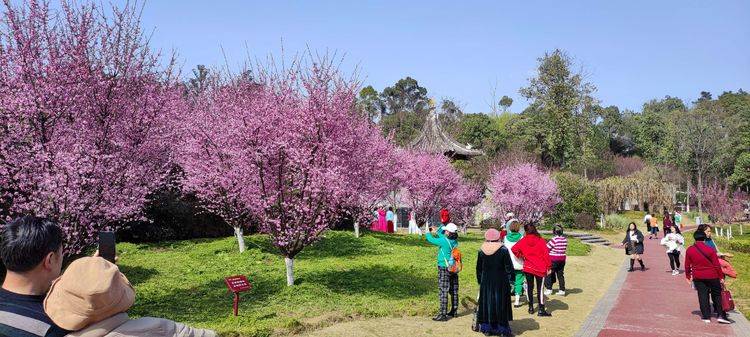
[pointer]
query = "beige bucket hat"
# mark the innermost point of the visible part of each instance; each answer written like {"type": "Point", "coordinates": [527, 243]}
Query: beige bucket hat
{"type": "Point", "coordinates": [91, 289]}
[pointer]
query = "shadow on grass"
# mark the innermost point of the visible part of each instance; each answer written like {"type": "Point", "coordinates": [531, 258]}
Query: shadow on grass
{"type": "Point", "coordinates": [205, 302]}
{"type": "Point", "coordinates": [341, 244]}
{"type": "Point", "coordinates": [520, 326]}
{"type": "Point", "coordinates": [137, 275]}
{"type": "Point", "coordinates": [385, 281]}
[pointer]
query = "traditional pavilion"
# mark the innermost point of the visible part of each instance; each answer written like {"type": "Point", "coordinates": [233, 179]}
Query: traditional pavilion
{"type": "Point", "coordinates": [434, 140]}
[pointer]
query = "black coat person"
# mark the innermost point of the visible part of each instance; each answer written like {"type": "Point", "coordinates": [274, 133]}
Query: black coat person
{"type": "Point", "coordinates": [633, 247]}
{"type": "Point", "coordinates": [633, 243]}
{"type": "Point", "coordinates": [494, 275]}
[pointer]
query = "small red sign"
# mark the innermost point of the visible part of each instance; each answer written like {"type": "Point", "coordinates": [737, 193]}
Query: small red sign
{"type": "Point", "coordinates": [237, 283]}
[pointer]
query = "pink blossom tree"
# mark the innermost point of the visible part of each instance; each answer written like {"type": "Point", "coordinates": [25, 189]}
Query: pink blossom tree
{"type": "Point", "coordinates": [722, 205]}
{"type": "Point", "coordinates": [525, 190]}
{"type": "Point", "coordinates": [464, 201]}
{"type": "Point", "coordinates": [286, 149]}
{"type": "Point", "coordinates": [429, 182]}
{"type": "Point", "coordinates": [84, 105]}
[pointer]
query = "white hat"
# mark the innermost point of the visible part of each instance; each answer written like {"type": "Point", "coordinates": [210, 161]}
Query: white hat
{"type": "Point", "coordinates": [450, 228]}
{"type": "Point", "coordinates": [509, 215]}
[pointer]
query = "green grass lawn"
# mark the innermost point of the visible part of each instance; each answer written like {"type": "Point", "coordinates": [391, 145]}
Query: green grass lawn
{"type": "Point", "coordinates": [338, 278]}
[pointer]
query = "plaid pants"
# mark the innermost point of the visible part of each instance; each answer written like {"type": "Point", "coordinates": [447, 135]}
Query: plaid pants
{"type": "Point", "coordinates": [447, 283]}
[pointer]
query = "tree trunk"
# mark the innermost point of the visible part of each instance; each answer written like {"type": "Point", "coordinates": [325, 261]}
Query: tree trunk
{"type": "Point", "coordinates": [687, 198]}
{"type": "Point", "coordinates": [289, 271]}
{"type": "Point", "coordinates": [700, 192]}
{"type": "Point", "coordinates": [356, 229]}
{"type": "Point", "coordinates": [240, 238]}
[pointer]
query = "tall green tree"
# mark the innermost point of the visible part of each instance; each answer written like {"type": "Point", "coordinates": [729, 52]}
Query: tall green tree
{"type": "Point", "coordinates": [406, 105]}
{"type": "Point", "coordinates": [653, 134]}
{"type": "Point", "coordinates": [482, 132]}
{"type": "Point", "coordinates": [370, 103]}
{"type": "Point", "coordinates": [734, 158]}
{"type": "Point", "coordinates": [561, 112]}
{"type": "Point", "coordinates": [505, 103]}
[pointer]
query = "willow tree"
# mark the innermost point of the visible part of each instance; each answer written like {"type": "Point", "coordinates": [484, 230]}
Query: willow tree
{"type": "Point", "coordinates": [645, 186]}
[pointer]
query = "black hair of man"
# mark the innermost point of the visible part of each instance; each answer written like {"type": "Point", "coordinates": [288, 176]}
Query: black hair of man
{"type": "Point", "coordinates": [27, 240]}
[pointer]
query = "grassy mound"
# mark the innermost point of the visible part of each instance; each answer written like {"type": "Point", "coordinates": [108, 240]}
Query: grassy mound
{"type": "Point", "coordinates": [338, 278]}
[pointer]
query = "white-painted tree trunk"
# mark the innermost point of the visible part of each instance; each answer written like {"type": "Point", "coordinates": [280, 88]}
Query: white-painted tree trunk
{"type": "Point", "coordinates": [289, 271]}
{"type": "Point", "coordinates": [240, 238]}
{"type": "Point", "coordinates": [356, 229]}
{"type": "Point", "coordinates": [687, 198]}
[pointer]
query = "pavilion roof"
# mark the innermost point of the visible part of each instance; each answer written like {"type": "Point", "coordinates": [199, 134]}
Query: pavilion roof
{"type": "Point", "coordinates": [434, 140]}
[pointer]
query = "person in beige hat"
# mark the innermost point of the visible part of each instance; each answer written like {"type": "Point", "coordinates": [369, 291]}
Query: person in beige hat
{"type": "Point", "coordinates": [91, 298]}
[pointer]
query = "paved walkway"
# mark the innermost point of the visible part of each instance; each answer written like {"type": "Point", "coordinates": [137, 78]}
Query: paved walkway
{"type": "Point", "coordinates": [654, 303]}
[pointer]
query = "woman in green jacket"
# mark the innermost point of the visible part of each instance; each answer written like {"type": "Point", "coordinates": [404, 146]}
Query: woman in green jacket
{"type": "Point", "coordinates": [446, 240]}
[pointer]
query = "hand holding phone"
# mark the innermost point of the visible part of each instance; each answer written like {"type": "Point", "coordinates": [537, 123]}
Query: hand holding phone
{"type": "Point", "coordinates": [107, 245]}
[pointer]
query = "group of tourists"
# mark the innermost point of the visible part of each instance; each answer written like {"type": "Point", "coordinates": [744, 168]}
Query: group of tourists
{"type": "Point", "coordinates": [89, 300]}
{"type": "Point", "coordinates": [385, 220]}
{"type": "Point", "coordinates": [670, 220]}
{"type": "Point", "coordinates": [509, 258]}
{"type": "Point", "coordinates": [705, 266]}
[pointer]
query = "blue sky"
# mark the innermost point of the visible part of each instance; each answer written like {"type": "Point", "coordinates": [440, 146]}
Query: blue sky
{"type": "Point", "coordinates": [632, 51]}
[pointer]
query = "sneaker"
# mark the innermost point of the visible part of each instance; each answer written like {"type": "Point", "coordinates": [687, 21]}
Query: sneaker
{"type": "Point", "coordinates": [440, 318]}
{"type": "Point", "coordinates": [706, 321]}
{"type": "Point", "coordinates": [674, 272]}
{"type": "Point", "coordinates": [723, 320]}
{"type": "Point", "coordinates": [561, 292]}
{"type": "Point", "coordinates": [548, 292]}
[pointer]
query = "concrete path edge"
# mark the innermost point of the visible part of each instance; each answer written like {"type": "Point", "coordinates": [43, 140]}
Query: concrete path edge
{"type": "Point", "coordinates": [594, 323]}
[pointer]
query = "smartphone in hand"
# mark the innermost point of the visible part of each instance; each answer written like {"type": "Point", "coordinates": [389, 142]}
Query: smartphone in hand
{"type": "Point", "coordinates": [107, 245]}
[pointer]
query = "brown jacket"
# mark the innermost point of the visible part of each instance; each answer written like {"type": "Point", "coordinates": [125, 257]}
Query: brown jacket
{"type": "Point", "coordinates": [121, 325]}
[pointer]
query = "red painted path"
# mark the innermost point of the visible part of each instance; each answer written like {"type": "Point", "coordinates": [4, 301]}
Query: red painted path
{"type": "Point", "coordinates": [655, 303]}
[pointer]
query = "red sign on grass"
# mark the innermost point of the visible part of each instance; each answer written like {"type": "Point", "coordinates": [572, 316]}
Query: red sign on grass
{"type": "Point", "coordinates": [237, 284]}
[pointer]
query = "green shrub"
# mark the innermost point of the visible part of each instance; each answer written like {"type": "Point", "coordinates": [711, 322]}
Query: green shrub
{"type": "Point", "coordinates": [616, 221]}
{"type": "Point", "coordinates": [579, 199]}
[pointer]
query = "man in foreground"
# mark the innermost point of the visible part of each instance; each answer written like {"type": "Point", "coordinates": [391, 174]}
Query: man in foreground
{"type": "Point", "coordinates": [32, 252]}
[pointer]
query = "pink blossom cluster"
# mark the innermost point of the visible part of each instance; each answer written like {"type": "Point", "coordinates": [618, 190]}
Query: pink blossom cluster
{"type": "Point", "coordinates": [525, 190]}
{"type": "Point", "coordinates": [722, 205]}
{"type": "Point", "coordinates": [430, 183]}
{"type": "Point", "coordinates": [84, 112]}
{"type": "Point", "coordinates": [286, 150]}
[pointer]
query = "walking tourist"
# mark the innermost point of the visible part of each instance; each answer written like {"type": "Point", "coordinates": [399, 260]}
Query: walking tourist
{"type": "Point", "coordinates": [532, 248]}
{"type": "Point", "coordinates": [558, 247]}
{"type": "Point", "coordinates": [633, 243]}
{"type": "Point", "coordinates": [703, 269]}
{"type": "Point", "coordinates": [508, 218]}
{"type": "Point", "coordinates": [706, 229]}
{"type": "Point", "coordinates": [446, 240]}
{"type": "Point", "coordinates": [674, 243]}
{"type": "Point", "coordinates": [654, 233]}
{"type": "Point", "coordinates": [92, 298]}
{"type": "Point", "coordinates": [667, 223]}
{"type": "Point", "coordinates": [494, 271]}
{"type": "Point", "coordinates": [678, 219]}
{"type": "Point", "coordinates": [509, 241]}
{"type": "Point", "coordinates": [647, 221]}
